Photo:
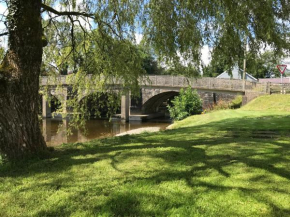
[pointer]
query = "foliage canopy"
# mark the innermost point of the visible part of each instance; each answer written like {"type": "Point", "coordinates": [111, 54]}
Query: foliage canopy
{"type": "Point", "coordinates": [176, 30]}
{"type": "Point", "coordinates": [260, 65]}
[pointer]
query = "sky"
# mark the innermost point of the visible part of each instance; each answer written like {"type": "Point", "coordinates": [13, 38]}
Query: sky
{"type": "Point", "coordinates": [3, 40]}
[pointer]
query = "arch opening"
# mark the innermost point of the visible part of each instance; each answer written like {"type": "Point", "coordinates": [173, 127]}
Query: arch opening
{"type": "Point", "coordinates": [100, 105]}
{"type": "Point", "coordinates": [159, 103]}
{"type": "Point", "coordinates": [54, 104]}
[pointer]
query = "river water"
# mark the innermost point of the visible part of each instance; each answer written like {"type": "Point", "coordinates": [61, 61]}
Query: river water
{"type": "Point", "coordinates": [55, 130]}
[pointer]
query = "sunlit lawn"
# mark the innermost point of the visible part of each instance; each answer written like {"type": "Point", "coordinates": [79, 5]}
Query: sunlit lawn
{"type": "Point", "coordinates": [225, 163]}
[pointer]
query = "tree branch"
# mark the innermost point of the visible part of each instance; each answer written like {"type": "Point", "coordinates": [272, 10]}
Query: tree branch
{"type": "Point", "coordinates": [66, 13]}
{"type": "Point", "coordinates": [84, 14]}
{"type": "Point", "coordinates": [3, 34]}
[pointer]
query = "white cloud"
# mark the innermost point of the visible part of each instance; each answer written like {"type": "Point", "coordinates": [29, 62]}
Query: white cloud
{"type": "Point", "coordinates": [138, 38]}
{"type": "Point", "coordinates": [286, 61]}
{"type": "Point", "coordinates": [206, 55]}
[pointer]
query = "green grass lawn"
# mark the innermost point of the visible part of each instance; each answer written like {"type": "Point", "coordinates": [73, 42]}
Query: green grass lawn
{"type": "Point", "coordinates": [224, 163]}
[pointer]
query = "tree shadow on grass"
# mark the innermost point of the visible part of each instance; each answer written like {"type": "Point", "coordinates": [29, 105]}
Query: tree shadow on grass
{"type": "Point", "coordinates": [136, 203]}
{"type": "Point", "coordinates": [183, 138]}
{"type": "Point", "coordinates": [224, 144]}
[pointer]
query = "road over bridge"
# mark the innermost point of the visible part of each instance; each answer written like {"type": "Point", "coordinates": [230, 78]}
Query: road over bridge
{"type": "Point", "coordinates": [156, 89]}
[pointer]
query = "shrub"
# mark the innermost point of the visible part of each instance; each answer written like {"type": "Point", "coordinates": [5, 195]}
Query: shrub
{"type": "Point", "coordinates": [221, 105]}
{"type": "Point", "coordinates": [187, 103]}
{"type": "Point", "coordinates": [237, 102]}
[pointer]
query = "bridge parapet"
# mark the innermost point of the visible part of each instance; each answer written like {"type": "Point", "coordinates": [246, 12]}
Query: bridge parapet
{"type": "Point", "coordinates": [53, 80]}
{"type": "Point", "coordinates": [173, 81]}
{"type": "Point", "coordinates": [257, 87]}
{"type": "Point", "coordinates": [71, 79]}
{"type": "Point", "coordinates": [203, 83]}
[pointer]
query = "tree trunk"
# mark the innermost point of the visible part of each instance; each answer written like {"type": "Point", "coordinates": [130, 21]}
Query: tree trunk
{"type": "Point", "coordinates": [20, 132]}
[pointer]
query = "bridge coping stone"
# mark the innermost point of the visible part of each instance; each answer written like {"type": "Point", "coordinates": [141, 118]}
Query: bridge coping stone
{"type": "Point", "coordinates": [177, 81]}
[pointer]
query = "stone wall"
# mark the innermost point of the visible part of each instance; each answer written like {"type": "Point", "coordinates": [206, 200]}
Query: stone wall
{"type": "Point", "coordinates": [249, 96]}
{"type": "Point", "coordinates": [204, 83]}
{"type": "Point", "coordinates": [207, 99]}
{"type": "Point", "coordinates": [211, 98]}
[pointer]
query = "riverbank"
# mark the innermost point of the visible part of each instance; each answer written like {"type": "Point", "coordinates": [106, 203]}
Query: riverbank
{"type": "Point", "coordinates": [55, 130]}
{"type": "Point", "coordinates": [141, 130]}
{"type": "Point", "coordinates": [224, 163]}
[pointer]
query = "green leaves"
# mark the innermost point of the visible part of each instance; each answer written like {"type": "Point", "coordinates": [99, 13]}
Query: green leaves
{"type": "Point", "coordinates": [183, 27]}
{"type": "Point", "coordinates": [187, 103]}
{"type": "Point", "coordinates": [264, 64]}
{"type": "Point", "coordinates": [177, 30]}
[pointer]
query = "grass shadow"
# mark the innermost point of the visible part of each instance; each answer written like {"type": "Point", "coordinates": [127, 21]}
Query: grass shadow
{"type": "Point", "coordinates": [217, 158]}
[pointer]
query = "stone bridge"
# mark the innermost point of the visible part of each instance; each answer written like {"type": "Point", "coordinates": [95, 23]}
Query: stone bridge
{"type": "Point", "coordinates": [156, 89]}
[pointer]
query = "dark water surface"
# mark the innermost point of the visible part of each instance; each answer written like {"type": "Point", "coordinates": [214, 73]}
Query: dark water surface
{"type": "Point", "coordinates": [55, 130]}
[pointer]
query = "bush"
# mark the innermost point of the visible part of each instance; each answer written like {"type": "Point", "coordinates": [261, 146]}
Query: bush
{"type": "Point", "coordinates": [187, 103]}
{"type": "Point", "coordinates": [237, 102]}
{"type": "Point", "coordinates": [221, 105]}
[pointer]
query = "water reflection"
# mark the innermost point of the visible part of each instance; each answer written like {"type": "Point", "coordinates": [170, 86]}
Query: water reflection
{"type": "Point", "coordinates": [55, 130]}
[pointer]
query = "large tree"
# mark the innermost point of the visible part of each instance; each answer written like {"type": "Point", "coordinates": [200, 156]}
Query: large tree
{"type": "Point", "coordinates": [19, 81]}
{"type": "Point", "coordinates": [175, 29]}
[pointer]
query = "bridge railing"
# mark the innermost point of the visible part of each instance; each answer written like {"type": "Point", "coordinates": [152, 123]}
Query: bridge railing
{"type": "Point", "coordinates": [257, 87]}
{"type": "Point", "coordinates": [200, 83]}
{"type": "Point", "coordinates": [279, 88]}
{"type": "Point", "coordinates": [178, 81]}
{"type": "Point", "coordinates": [54, 80]}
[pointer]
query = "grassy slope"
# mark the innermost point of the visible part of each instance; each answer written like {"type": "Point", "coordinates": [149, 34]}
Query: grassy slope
{"type": "Point", "coordinates": [225, 163]}
{"type": "Point", "coordinates": [276, 102]}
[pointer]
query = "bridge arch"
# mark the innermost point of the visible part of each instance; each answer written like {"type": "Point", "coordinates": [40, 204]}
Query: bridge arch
{"type": "Point", "coordinates": [56, 103]}
{"type": "Point", "coordinates": [155, 103]}
{"type": "Point", "coordinates": [51, 105]}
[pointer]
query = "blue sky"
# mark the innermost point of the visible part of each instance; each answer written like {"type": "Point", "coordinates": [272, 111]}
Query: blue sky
{"type": "Point", "coordinates": [3, 40]}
